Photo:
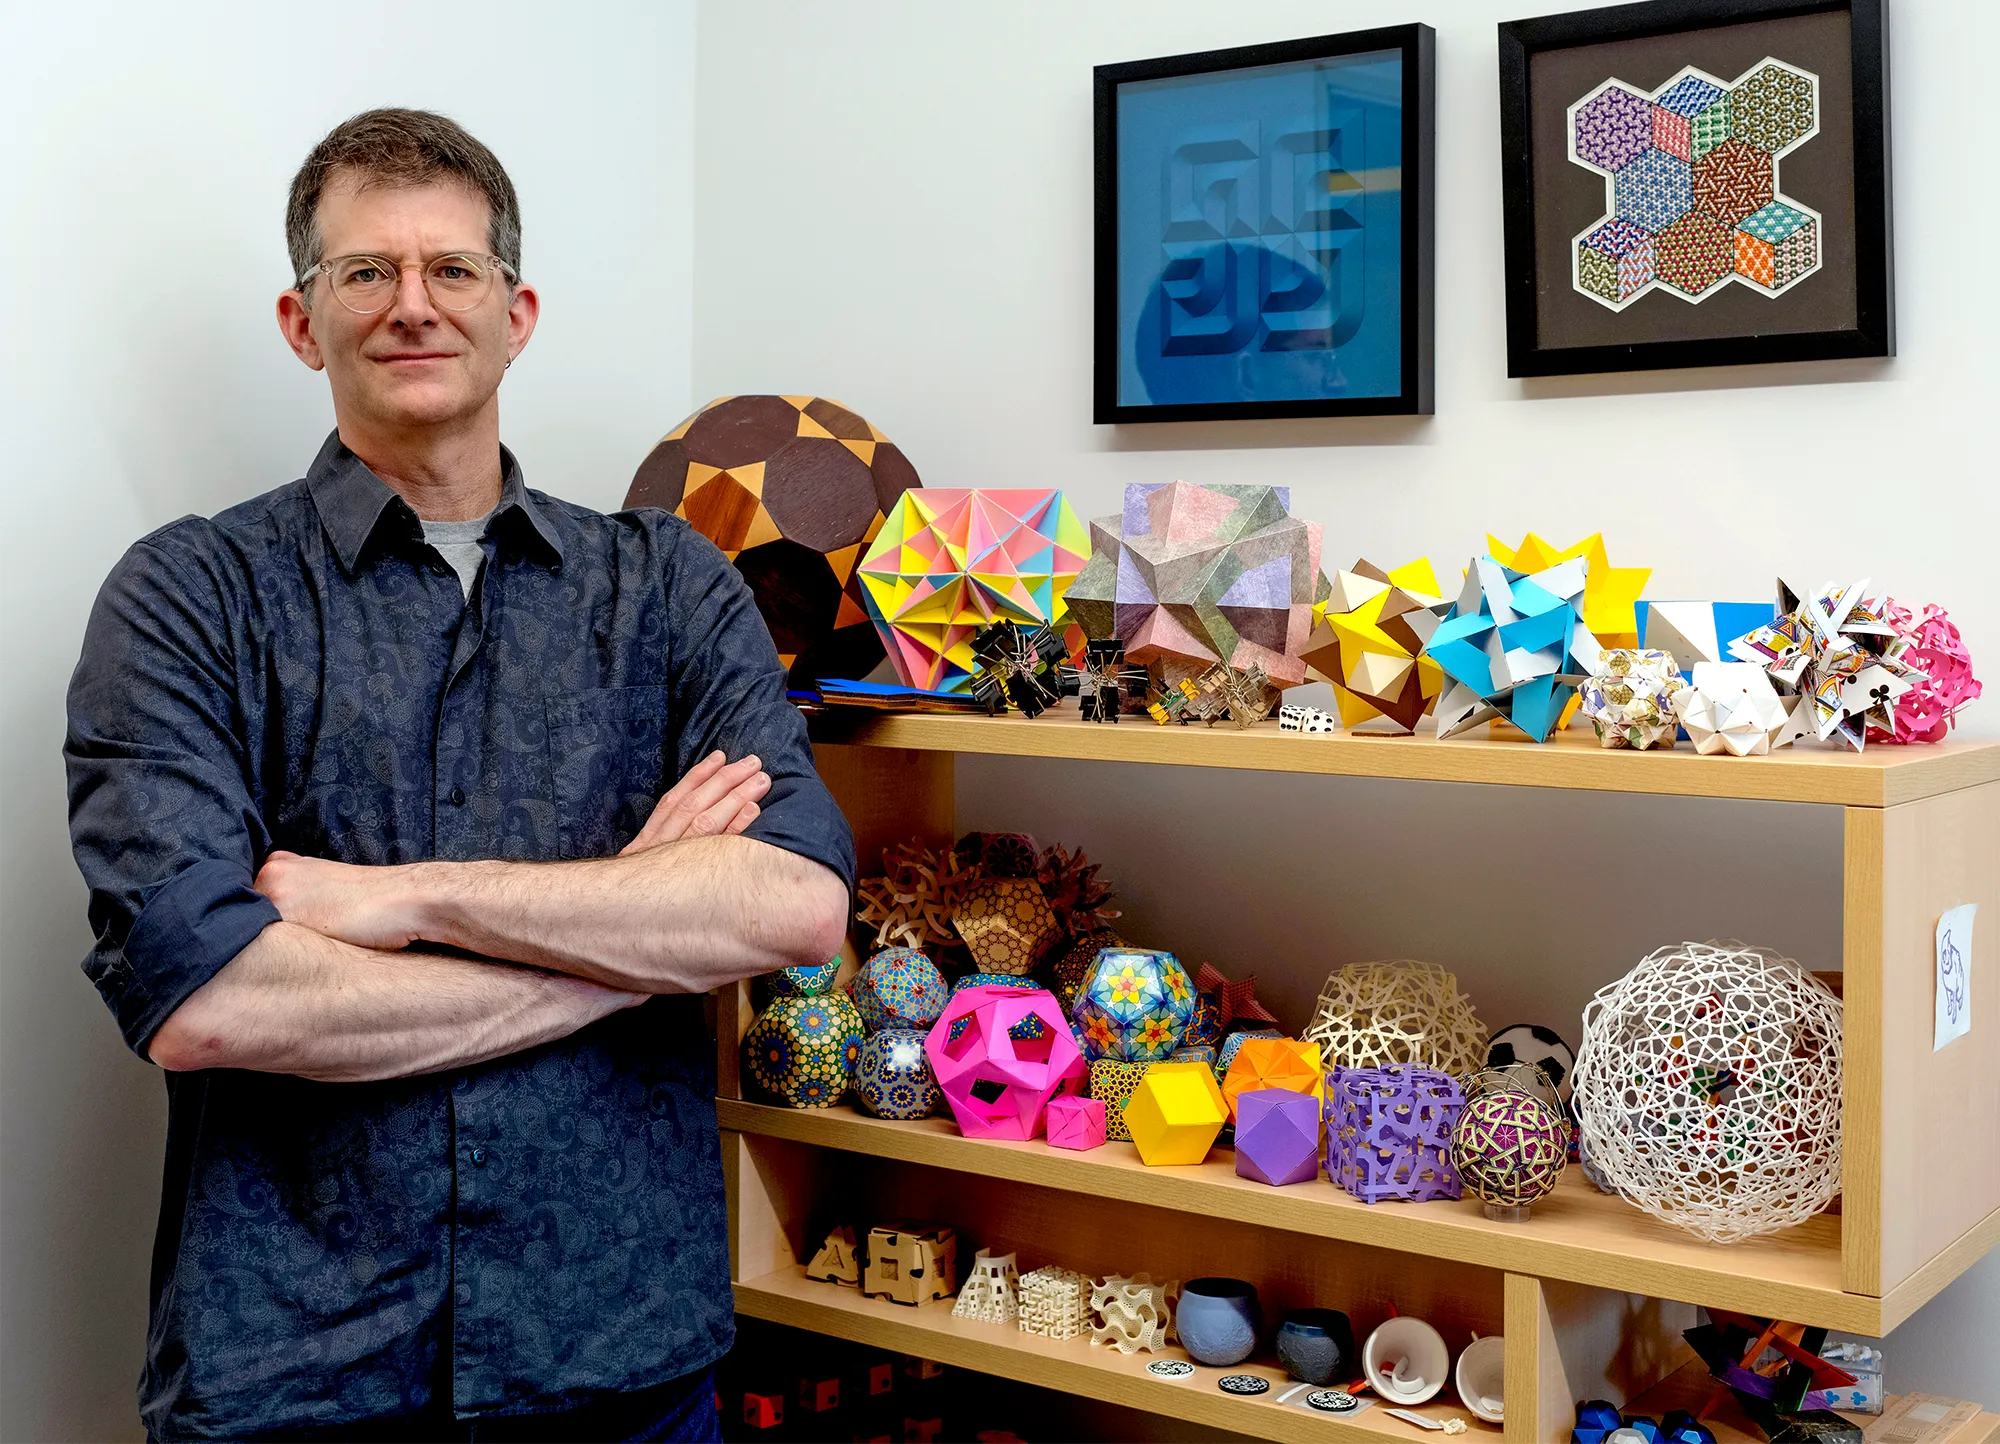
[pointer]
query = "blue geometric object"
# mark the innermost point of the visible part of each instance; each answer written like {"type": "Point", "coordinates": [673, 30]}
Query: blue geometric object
{"type": "Point", "coordinates": [1700, 631]}
{"type": "Point", "coordinates": [1594, 1421]}
{"type": "Point", "coordinates": [805, 982]}
{"type": "Point", "coordinates": [1028, 1029]}
{"type": "Point", "coordinates": [899, 988]}
{"type": "Point", "coordinates": [894, 1078]}
{"type": "Point", "coordinates": [1646, 1428]}
{"type": "Point", "coordinates": [1681, 1427]}
{"type": "Point", "coordinates": [1654, 191]}
{"type": "Point", "coordinates": [1134, 1005]}
{"type": "Point", "coordinates": [1513, 647]}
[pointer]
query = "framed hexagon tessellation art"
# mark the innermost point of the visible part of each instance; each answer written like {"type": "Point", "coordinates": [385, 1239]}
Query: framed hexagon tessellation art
{"type": "Point", "coordinates": [1696, 183]}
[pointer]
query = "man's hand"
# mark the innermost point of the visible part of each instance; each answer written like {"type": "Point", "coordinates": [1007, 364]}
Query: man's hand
{"type": "Point", "coordinates": [370, 907]}
{"type": "Point", "coordinates": [714, 799]}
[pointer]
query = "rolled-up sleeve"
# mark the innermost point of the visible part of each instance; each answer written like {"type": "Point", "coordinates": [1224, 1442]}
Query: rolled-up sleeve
{"type": "Point", "coordinates": [727, 691]}
{"type": "Point", "coordinates": [162, 822]}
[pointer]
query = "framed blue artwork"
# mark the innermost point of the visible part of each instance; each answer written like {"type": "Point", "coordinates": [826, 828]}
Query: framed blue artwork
{"type": "Point", "coordinates": [1265, 230]}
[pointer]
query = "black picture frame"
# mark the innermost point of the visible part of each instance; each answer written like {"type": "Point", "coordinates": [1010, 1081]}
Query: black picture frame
{"type": "Point", "coordinates": [1415, 394]}
{"type": "Point", "coordinates": [1873, 331]}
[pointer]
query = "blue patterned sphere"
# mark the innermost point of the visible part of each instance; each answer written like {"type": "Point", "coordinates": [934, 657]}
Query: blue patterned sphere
{"type": "Point", "coordinates": [1134, 1005]}
{"type": "Point", "coordinates": [894, 1079]}
{"type": "Point", "coordinates": [812, 982]}
{"type": "Point", "coordinates": [802, 1052]}
{"type": "Point", "coordinates": [899, 988]}
{"type": "Point", "coordinates": [1028, 1029]}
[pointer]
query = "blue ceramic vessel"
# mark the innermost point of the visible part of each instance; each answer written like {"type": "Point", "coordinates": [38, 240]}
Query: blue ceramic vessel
{"type": "Point", "coordinates": [1218, 1321]}
{"type": "Point", "coordinates": [1317, 1345]}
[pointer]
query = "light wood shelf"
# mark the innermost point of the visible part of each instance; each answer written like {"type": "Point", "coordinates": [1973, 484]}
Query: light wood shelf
{"type": "Point", "coordinates": [1576, 1234]}
{"type": "Point", "coordinates": [1878, 777]}
{"type": "Point", "coordinates": [1076, 1366]}
{"type": "Point", "coordinates": [1690, 1387]}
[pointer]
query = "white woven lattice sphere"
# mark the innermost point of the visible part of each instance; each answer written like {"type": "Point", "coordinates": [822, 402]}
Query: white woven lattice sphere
{"type": "Point", "coordinates": [1708, 1089]}
{"type": "Point", "coordinates": [1373, 1014]}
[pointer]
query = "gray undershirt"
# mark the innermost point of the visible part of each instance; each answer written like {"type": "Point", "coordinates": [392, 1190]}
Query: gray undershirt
{"type": "Point", "coordinates": [458, 543]}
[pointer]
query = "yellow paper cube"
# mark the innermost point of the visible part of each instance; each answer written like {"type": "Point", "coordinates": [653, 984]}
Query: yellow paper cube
{"type": "Point", "coordinates": [1175, 1113]}
{"type": "Point", "coordinates": [1273, 1063]}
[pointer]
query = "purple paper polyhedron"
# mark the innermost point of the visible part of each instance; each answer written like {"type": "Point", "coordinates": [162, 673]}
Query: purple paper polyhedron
{"type": "Point", "coordinates": [1388, 1132]}
{"type": "Point", "coordinates": [1277, 1136]}
{"type": "Point", "coordinates": [999, 1085]}
{"type": "Point", "coordinates": [1076, 1122]}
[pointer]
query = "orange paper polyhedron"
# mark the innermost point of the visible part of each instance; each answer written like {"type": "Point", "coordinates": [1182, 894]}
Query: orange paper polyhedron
{"type": "Point", "coordinates": [1273, 1063]}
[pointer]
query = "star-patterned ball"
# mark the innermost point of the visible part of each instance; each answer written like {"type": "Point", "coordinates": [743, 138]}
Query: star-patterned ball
{"type": "Point", "coordinates": [894, 1079]}
{"type": "Point", "coordinates": [899, 988]}
{"type": "Point", "coordinates": [1135, 1005]}
{"type": "Point", "coordinates": [794, 983]}
{"type": "Point", "coordinates": [802, 1052]}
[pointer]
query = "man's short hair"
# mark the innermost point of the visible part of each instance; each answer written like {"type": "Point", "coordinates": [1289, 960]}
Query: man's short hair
{"type": "Point", "coordinates": [394, 147]}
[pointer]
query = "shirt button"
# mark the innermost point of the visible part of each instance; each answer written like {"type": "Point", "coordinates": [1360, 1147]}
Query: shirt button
{"type": "Point", "coordinates": [458, 797]}
{"type": "Point", "coordinates": [478, 1158]}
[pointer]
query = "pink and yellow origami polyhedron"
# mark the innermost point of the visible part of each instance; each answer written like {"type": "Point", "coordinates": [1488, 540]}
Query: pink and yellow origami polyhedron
{"type": "Point", "coordinates": [1000, 1085]}
{"type": "Point", "coordinates": [951, 561]}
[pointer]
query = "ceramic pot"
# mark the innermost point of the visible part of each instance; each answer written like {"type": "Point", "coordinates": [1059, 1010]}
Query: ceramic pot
{"type": "Point", "coordinates": [1316, 1345]}
{"type": "Point", "coordinates": [1482, 1378]}
{"type": "Point", "coordinates": [1406, 1360]}
{"type": "Point", "coordinates": [1217, 1320]}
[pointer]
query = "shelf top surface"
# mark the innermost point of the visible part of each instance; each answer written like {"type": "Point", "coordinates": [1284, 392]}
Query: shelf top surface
{"type": "Point", "coordinates": [1576, 1233]}
{"type": "Point", "coordinates": [1812, 773]}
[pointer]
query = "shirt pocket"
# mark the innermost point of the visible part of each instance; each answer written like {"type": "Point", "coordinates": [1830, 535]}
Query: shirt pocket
{"type": "Point", "coordinates": [607, 758]}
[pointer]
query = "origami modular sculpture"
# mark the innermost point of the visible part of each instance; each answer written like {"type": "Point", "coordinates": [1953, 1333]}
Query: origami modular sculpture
{"type": "Point", "coordinates": [1732, 707]}
{"type": "Point", "coordinates": [1135, 1005]}
{"type": "Point", "coordinates": [1136, 1313]}
{"type": "Point", "coordinates": [998, 1085]}
{"type": "Point", "coordinates": [1708, 1089]}
{"type": "Point", "coordinates": [1926, 712]}
{"type": "Point", "coordinates": [1006, 924]}
{"type": "Point", "coordinates": [1800, 1381]}
{"type": "Point", "coordinates": [950, 562]}
{"type": "Point", "coordinates": [1017, 665]}
{"type": "Point", "coordinates": [1102, 681]}
{"type": "Point", "coordinates": [1388, 1133]}
{"type": "Point", "coordinates": [1075, 892]}
{"type": "Point", "coordinates": [1273, 1063]}
{"type": "Point", "coordinates": [898, 988]}
{"type": "Point", "coordinates": [1175, 1113]}
{"type": "Point", "coordinates": [1112, 1084]}
{"type": "Point", "coordinates": [791, 488]}
{"type": "Point", "coordinates": [1510, 1148]}
{"type": "Point", "coordinates": [1513, 648]}
{"type": "Point", "coordinates": [1368, 640]}
{"type": "Point", "coordinates": [1277, 1136]}
{"type": "Point", "coordinates": [1076, 1123]}
{"type": "Point", "coordinates": [894, 1078]}
{"type": "Point", "coordinates": [1233, 1042]}
{"type": "Point", "coordinates": [1835, 652]}
{"type": "Point", "coordinates": [915, 899]}
{"type": "Point", "coordinates": [803, 1051]}
{"type": "Point", "coordinates": [798, 982]}
{"type": "Point", "coordinates": [992, 1290]}
{"type": "Point", "coordinates": [838, 1260]}
{"type": "Point", "coordinates": [1373, 1014]}
{"type": "Point", "coordinates": [1065, 977]}
{"type": "Point", "coordinates": [1055, 1302]}
{"type": "Point", "coordinates": [999, 854]}
{"type": "Point", "coordinates": [1630, 698]}
{"type": "Point", "coordinates": [908, 1266]}
{"type": "Point", "coordinates": [1699, 631]}
{"type": "Point", "coordinates": [1189, 576]}
{"type": "Point", "coordinates": [1610, 594]}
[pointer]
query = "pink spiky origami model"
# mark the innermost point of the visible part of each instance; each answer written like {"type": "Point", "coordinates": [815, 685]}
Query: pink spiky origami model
{"type": "Point", "coordinates": [998, 1084]}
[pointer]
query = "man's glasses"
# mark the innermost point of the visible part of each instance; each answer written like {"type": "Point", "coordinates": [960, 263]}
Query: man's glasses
{"type": "Point", "coordinates": [367, 284]}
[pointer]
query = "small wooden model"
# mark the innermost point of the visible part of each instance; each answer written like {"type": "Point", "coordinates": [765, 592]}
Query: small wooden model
{"type": "Point", "coordinates": [908, 1266]}
{"type": "Point", "coordinates": [838, 1260]}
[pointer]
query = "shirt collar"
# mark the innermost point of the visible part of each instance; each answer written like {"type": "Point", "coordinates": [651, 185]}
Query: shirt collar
{"type": "Point", "coordinates": [353, 503]}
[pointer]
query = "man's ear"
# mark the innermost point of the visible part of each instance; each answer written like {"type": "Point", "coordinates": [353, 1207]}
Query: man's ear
{"type": "Point", "coordinates": [295, 320]}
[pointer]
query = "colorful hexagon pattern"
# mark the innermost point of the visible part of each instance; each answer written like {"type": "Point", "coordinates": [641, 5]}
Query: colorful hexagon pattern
{"type": "Point", "coordinates": [807, 982]}
{"type": "Point", "coordinates": [1691, 181]}
{"type": "Point", "coordinates": [1135, 1005]}
{"type": "Point", "coordinates": [802, 1052]}
{"type": "Point", "coordinates": [899, 988]}
{"type": "Point", "coordinates": [893, 1078]}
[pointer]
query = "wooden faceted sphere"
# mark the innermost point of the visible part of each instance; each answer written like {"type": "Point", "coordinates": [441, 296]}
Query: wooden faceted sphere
{"type": "Point", "coordinates": [792, 488]}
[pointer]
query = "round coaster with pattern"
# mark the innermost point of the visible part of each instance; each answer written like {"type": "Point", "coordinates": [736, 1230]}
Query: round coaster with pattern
{"type": "Point", "coordinates": [1243, 1384]}
{"type": "Point", "coordinates": [1170, 1368]}
{"type": "Point", "coordinates": [1333, 1401]}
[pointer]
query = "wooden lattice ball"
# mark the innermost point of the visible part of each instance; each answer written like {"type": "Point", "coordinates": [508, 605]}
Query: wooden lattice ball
{"type": "Point", "coordinates": [1371, 1015]}
{"type": "Point", "coordinates": [1708, 1089]}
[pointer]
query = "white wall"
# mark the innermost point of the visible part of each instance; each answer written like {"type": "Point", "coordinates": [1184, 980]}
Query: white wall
{"type": "Point", "coordinates": [148, 149]}
{"type": "Point", "coordinates": [894, 207]}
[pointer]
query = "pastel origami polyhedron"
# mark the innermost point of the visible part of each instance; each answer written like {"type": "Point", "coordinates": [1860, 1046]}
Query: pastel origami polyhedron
{"type": "Point", "coordinates": [1513, 648]}
{"type": "Point", "coordinates": [1630, 698]}
{"type": "Point", "coordinates": [894, 1077]}
{"type": "Point", "coordinates": [1388, 1133]}
{"type": "Point", "coordinates": [791, 488]}
{"type": "Point", "coordinates": [999, 1085]}
{"type": "Point", "coordinates": [1135, 1005]}
{"type": "Point", "coordinates": [1175, 1113]}
{"type": "Point", "coordinates": [1368, 640]}
{"type": "Point", "coordinates": [899, 988]}
{"type": "Point", "coordinates": [951, 561]}
{"type": "Point", "coordinates": [1837, 654]}
{"type": "Point", "coordinates": [1112, 1084]}
{"type": "Point", "coordinates": [1277, 1136]}
{"type": "Point", "coordinates": [803, 1051]}
{"type": "Point", "coordinates": [1006, 924]}
{"type": "Point", "coordinates": [1188, 576]}
{"type": "Point", "coordinates": [1273, 1063]}
{"type": "Point", "coordinates": [1731, 707]}
{"type": "Point", "coordinates": [1076, 1122]}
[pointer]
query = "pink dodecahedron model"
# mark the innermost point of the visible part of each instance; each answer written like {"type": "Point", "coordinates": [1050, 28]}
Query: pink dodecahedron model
{"type": "Point", "coordinates": [1076, 1122]}
{"type": "Point", "coordinates": [998, 1083]}
{"type": "Point", "coordinates": [1277, 1136]}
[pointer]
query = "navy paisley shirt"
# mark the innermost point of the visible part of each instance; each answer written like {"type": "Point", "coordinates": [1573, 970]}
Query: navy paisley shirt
{"type": "Point", "coordinates": [303, 672]}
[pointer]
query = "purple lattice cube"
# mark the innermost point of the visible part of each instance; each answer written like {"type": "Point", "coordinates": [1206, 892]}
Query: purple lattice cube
{"type": "Point", "coordinates": [1613, 128]}
{"type": "Point", "coordinates": [1277, 1136]}
{"type": "Point", "coordinates": [1388, 1132]}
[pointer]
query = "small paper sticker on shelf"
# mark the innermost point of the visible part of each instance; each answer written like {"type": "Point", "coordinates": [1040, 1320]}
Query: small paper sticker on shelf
{"type": "Point", "coordinates": [1954, 974]}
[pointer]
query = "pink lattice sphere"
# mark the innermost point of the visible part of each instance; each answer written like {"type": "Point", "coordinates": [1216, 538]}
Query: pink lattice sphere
{"type": "Point", "coordinates": [1510, 1148]}
{"type": "Point", "coordinates": [999, 1084]}
{"type": "Point", "coordinates": [1926, 712]}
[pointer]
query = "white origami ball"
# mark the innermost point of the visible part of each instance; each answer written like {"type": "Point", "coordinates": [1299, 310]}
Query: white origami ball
{"type": "Point", "coordinates": [1708, 1089]}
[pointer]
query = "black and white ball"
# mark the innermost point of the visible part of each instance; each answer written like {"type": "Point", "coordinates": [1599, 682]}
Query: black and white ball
{"type": "Point", "coordinates": [1532, 1043]}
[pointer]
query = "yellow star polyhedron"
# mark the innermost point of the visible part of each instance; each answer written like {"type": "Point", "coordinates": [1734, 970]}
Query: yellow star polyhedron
{"type": "Point", "coordinates": [1610, 594]}
{"type": "Point", "coordinates": [1368, 639]}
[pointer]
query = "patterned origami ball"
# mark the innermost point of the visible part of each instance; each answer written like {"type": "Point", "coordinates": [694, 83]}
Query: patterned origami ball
{"type": "Point", "coordinates": [894, 1078]}
{"type": "Point", "coordinates": [999, 1085]}
{"type": "Point", "coordinates": [1509, 1148]}
{"type": "Point", "coordinates": [1277, 1136]}
{"type": "Point", "coordinates": [1945, 682]}
{"type": "Point", "coordinates": [1111, 1083]}
{"type": "Point", "coordinates": [1630, 698]}
{"type": "Point", "coordinates": [802, 1052]}
{"type": "Point", "coordinates": [1512, 646]}
{"type": "Point", "coordinates": [1066, 975]}
{"type": "Point", "coordinates": [899, 988]}
{"type": "Point", "coordinates": [950, 561]}
{"type": "Point", "coordinates": [791, 488]}
{"type": "Point", "coordinates": [1135, 1005]}
{"type": "Point", "coordinates": [1175, 1113]}
{"type": "Point", "coordinates": [809, 982]}
{"type": "Point", "coordinates": [1006, 924]}
{"type": "Point", "coordinates": [1284, 1063]}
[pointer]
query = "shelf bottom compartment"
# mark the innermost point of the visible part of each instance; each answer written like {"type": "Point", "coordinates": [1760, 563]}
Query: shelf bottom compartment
{"type": "Point", "coordinates": [1690, 1387]}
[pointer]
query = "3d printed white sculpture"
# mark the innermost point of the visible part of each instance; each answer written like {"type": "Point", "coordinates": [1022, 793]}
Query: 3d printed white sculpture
{"type": "Point", "coordinates": [1374, 1014]}
{"type": "Point", "coordinates": [1055, 1302]}
{"type": "Point", "coordinates": [992, 1290]}
{"type": "Point", "coordinates": [1136, 1312]}
{"type": "Point", "coordinates": [1708, 1089]}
